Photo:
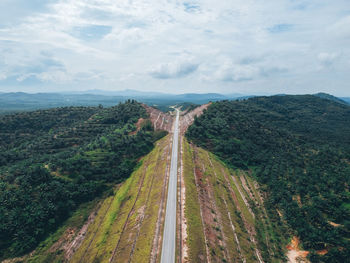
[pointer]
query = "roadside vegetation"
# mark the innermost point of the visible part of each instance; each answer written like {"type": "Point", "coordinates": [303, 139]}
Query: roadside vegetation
{"type": "Point", "coordinates": [52, 161]}
{"type": "Point", "coordinates": [196, 241]}
{"type": "Point", "coordinates": [225, 222]}
{"type": "Point", "coordinates": [298, 148]}
{"type": "Point", "coordinates": [125, 225]}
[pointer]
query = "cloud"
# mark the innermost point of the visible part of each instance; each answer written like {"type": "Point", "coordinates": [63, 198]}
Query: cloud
{"type": "Point", "coordinates": [191, 7]}
{"type": "Point", "coordinates": [65, 44]}
{"type": "Point", "coordinates": [237, 73]}
{"type": "Point", "coordinates": [327, 59]}
{"type": "Point", "coordinates": [247, 69]}
{"type": "Point", "coordinates": [14, 11]}
{"type": "Point", "coordinates": [174, 70]}
{"type": "Point", "coordinates": [91, 32]}
{"type": "Point", "coordinates": [2, 76]}
{"type": "Point", "coordinates": [280, 28]}
{"type": "Point", "coordinates": [341, 28]}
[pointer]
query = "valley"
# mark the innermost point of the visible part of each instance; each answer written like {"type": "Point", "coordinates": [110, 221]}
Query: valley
{"type": "Point", "coordinates": [185, 201]}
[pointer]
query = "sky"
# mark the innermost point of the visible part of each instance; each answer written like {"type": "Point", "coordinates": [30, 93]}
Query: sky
{"type": "Point", "coordinates": [232, 46]}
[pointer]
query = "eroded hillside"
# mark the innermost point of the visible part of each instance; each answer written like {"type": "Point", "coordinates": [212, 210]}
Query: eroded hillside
{"type": "Point", "coordinates": [224, 213]}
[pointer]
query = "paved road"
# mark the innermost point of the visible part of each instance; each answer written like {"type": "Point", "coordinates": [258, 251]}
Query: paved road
{"type": "Point", "coordinates": [169, 235]}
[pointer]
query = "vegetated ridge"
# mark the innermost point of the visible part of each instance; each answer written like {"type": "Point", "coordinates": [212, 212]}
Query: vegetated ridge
{"type": "Point", "coordinates": [51, 161]}
{"type": "Point", "coordinates": [298, 148]}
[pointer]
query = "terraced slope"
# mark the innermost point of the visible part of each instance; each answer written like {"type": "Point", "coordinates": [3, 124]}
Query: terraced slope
{"type": "Point", "coordinates": [220, 213]}
{"type": "Point", "coordinates": [127, 224]}
{"type": "Point", "coordinates": [225, 217]}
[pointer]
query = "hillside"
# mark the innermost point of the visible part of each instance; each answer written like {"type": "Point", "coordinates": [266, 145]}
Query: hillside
{"type": "Point", "coordinates": [254, 177]}
{"type": "Point", "coordinates": [52, 161]}
{"type": "Point", "coordinates": [220, 211]}
{"type": "Point", "coordinates": [298, 148]}
{"type": "Point", "coordinates": [224, 214]}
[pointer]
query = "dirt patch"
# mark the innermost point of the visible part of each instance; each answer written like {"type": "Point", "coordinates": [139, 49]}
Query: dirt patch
{"type": "Point", "coordinates": [250, 228]}
{"type": "Point", "coordinates": [183, 221]}
{"type": "Point", "coordinates": [138, 125]}
{"type": "Point", "coordinates": [67, 236]}
{"type": "Point", "coordinates": [334, 224]}
{"type": "Point", "coordinates": [187, 119]}
{"type": "Point", "coordinates": [210, 215]}
{"type": "Point", "coordinates": [198, 178]}
{"type": "Point", "coordinates": [159, 119]}
{"type": "Point", "coordinates": [72, 245]}
{"type": "Point", "coordinates": [18, 259]}
{"type": "Point", "coordinates": [295, 255]}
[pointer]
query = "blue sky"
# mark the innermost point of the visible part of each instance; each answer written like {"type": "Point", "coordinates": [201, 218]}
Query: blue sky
{"type": "Point", "coordinates": [236, 46]}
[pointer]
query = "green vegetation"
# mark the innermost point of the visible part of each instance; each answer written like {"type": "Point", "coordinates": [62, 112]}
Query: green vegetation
{"type": "Point", "coordinates": [44, 252]}
{"type": "Point", "coordinates": [196, 241]}
{"type": "Point", "coordinates": [125, 223]}
{"type": "Point", "coordinates": [232, 214]}
{"type": "Point", "coordinates": [51, 161]}
{"type": "Point", "coordinates": [298, 148]}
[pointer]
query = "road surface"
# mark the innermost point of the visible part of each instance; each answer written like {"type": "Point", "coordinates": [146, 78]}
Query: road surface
{"type": "Point", "coordinates": [169, 235]}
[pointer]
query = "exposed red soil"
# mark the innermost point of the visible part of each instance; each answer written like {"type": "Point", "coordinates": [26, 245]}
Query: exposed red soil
{"type": "Point", "coordinates": [218, 214]}
{"type": "Point", "coordinates": [334, 224]}
{"type": "Point", "coordinates": [210, 213]}
{"type": "Point", "coordinates": [182, 222]}
{"type": "Point", "coordinates": [250, 228]}
{"type": "Point", "coordinates": [294, 254]}
{"type": "Point", "coordinates": [138, 126]}
{"type": "Point", "coordinates": [188, 117]}
{"type": "Point", "coordinates": [159, 119]}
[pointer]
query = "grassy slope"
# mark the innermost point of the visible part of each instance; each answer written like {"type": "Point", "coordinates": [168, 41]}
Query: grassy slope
{"type": "Point", "coordinates": [269, 240]}
{"type": "Point", "coordinates": [105, 231]}
{"type": "Point", "coordinates": [121, 223]}
{"type": "Point", "coordinates": [195, 239]}
{"type": "Point", "coordinates": [44, 253]}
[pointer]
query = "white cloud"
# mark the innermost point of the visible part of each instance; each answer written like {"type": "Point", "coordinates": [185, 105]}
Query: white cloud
{"type": "Point", "coordinates": [115, 43]}
{"type": "Point", "coordinates": [177, 69]}
{"type": "Point", "coordinates": [341, 28]}
{"type": "Point", "coordinates": [327, 59]}
{"type": "Point", "coordinates": [236, 72]}
{"type": "Point", "coordinates": [2, 76]}
{"type": "Point", "coordinates": [54, 76]}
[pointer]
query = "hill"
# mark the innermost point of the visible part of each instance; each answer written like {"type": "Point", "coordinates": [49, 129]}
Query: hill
{"type": "Point", "coordinates": [330, 97]}
{"type": "Point", "coordinates": [298, 148]}
{"type": "Point", "coordinates": [220, 214]}
{"type": "Point", "coordinates": [346, 99]}
{"type": "Point", "coordinates": [52, 161]}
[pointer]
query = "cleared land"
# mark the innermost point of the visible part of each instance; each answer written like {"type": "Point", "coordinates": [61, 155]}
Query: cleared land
{"type": "Point", "coordinates": [221, 215]}
{"type": "Point", "coordinates": [124, 228]}
{"type": "Point", "coordinates": [225, 214]}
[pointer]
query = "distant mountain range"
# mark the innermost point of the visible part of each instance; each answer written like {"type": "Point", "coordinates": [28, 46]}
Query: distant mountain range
{"type": "Point", "coordinates": [18, 101]}
{"type": "Point", "coordinates": [333, 98]}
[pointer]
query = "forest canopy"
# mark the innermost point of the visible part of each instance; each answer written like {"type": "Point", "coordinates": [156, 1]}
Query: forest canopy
{"type": "Point", "coordinates": [51, 161]}
{"type": "Point", "coordinates": [298, 147]}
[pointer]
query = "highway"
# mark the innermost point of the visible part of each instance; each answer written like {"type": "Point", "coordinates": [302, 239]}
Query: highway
{"type": "Point", "coordinates": [169, 234]}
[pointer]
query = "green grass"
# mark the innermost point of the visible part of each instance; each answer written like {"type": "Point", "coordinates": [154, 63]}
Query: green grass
{"type": "Point", "coordinates": [155, 172]}
{"type": "Point", "coordinates": [270, 240]}
{"type": "Point", "coordinates": [109, 224]}
{"type": "Point", "coordinates": [196, 241]}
